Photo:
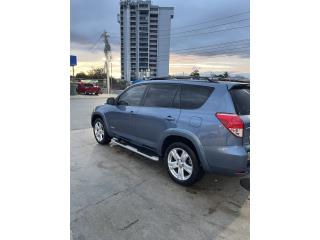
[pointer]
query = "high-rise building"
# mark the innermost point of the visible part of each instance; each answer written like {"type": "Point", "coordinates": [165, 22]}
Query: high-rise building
{"type": "Point", "coordinates": [145, 39]}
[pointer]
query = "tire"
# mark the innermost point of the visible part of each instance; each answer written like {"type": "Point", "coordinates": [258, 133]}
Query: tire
{"type": "Point", "coordinates": [185, 170]}
{"type": "Point", "coordinates": [96, 93]}
{"type": "Point", "coordinates": [100, 133]}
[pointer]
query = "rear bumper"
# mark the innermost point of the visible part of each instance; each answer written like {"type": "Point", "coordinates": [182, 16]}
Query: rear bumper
{"type": "Point", "coordinates": [229, 160]}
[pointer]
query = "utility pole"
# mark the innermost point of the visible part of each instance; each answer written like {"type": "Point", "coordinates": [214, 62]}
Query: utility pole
{"type": "Point", "coordinates": [107, 53]}
{"type": "Point", "coordinates": [111, 76]}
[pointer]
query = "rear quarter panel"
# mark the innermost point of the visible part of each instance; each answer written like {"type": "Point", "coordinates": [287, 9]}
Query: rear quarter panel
{"type": "Point", "coordinates": [203, 122]}
{"type": "Point", "coordinates": [208, 132]}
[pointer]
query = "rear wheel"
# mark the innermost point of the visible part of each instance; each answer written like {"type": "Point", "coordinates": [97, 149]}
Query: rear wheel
{"type": "Point", "coordinates": [100, 132]}
{"type": "Point", "coordinates": [182, 164]}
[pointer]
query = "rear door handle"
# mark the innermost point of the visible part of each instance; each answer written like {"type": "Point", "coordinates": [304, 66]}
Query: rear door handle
{"type": "Point", "coordinates": [169, 118]}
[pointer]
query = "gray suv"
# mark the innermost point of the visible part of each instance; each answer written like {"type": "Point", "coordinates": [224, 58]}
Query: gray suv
{"type": "Point", "coordinates": [194, 126]}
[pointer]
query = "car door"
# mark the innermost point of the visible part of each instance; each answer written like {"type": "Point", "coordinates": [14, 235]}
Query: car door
{"type": "Point", "coordinates": [159, 112]}
{"type": "Point", "coordinates": [119, 117]}
{"type": "Point", "coordinates": [91, 88]}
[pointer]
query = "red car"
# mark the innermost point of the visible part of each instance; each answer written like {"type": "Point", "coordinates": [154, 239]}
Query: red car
{"type": "Point", "coordinates": [88, 88]}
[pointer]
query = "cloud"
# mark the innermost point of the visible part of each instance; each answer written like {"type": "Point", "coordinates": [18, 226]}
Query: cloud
{"type": "Point", "coordinates": [90, 18]}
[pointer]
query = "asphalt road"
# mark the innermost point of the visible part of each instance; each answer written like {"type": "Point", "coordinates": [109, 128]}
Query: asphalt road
{"type": "Point", "coordinates": [116, 194]}
{"type": "Point", "coordinates": [81, 107]}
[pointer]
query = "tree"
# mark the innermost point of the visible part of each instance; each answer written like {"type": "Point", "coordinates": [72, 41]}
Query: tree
{"type": "Point", "coordinates": [97, 73]}
{"type": "Point", "coordinates": [225, 75]}
{"type": "Point", "coordinates": [195, 74]}
{"type": "Point", "coordinates": [81, 75]}
{"type": "Point", "coordinates": [213, 75]}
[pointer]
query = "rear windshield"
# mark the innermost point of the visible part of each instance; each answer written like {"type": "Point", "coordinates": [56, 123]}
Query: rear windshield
{"type": "Point", "coordinates": [241, 100]}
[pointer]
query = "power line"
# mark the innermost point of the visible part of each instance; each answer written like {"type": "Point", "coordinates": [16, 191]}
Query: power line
{"type": "Point", "coordinates": [205, 28]}
{"type": "Point", "coordinates": [218, 44]}
{"type": "Point", "coordinates": [222, 30]}
{"type": "Point", "coordinates": [212, 56]}
{"type": "Point", "coordinates": [173, 35]}
{"type": "Point", "coordinates": [95, 45]}
{"type": "Point", "coordinates": [213, 52]}
{"type": "Point", "coordinates": [216, 19]}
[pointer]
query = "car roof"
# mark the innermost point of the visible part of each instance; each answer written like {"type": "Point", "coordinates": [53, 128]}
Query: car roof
{"type": "Point", "coordinates": [228, 84]}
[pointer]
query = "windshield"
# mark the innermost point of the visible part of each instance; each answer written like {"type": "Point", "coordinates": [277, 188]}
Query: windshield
{"type": "Point", "coordinates": [241, 100]}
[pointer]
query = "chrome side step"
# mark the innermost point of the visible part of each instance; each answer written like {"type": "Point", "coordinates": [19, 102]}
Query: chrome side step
{"type": "Point", "coordinates": [133, 149]}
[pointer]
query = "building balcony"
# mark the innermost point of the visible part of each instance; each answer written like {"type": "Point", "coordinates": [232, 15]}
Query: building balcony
{"type": "Point", "coordinates": [143, 19]}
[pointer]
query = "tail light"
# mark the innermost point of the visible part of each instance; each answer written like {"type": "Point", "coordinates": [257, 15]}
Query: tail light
{"type": "Point", "coordinates": [232, 122]}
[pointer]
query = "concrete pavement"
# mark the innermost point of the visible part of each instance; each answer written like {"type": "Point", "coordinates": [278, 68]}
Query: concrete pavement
{"type": "Point", "coordinates": [116, 194]}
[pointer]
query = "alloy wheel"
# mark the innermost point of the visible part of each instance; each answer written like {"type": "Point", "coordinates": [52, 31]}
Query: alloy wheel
{"type": "Point", "coordinates": [180, 164]}
{"type": "Point", "coordinates": [99, 131]}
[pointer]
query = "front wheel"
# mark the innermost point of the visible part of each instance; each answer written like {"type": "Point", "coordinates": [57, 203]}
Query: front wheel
{"type": "Point", "coordinates": [182, 164]}
{"type": "Point", "coordinates": [100, 132]}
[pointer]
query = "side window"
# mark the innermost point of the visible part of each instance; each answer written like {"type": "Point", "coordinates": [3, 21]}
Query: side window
{"type": "Point", "coordinates": [133, 96]}
{"type": "Point", "coordinates": [161, 95]}
{"type": "Point", "coordinates": [193, 96]}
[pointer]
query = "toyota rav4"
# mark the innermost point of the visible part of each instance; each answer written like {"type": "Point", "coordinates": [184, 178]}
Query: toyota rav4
{"type": "Point", "coordinates": [194, 126]}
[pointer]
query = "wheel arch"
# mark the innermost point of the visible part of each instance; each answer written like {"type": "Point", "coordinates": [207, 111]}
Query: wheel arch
{"type": "Point", "coordinates": [186, 137]}
{"type": "Point", "coordinates": [94, 116]}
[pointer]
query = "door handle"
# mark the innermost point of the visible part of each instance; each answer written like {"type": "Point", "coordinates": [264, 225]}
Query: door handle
{"type": "Point", "coordinates": [169, 118]}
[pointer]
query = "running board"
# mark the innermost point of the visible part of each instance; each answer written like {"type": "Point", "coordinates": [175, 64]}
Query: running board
{"type": "Point", "coordinates": [133, 149]}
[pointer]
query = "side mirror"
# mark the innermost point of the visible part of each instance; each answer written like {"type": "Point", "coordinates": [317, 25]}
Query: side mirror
{"type": "Point", "coordinates": [111, 101]}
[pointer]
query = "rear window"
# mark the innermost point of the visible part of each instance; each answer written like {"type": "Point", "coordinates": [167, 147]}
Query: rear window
{"type": "Point", "coordinates": [193, 96]}
{"type": "Point", "coordinates": [241, 100]}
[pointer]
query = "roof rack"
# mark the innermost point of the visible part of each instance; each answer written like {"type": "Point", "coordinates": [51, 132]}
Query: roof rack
{"type": "Point", "coordinates": [180, 77]}
{"type": "Point", "coordinates": [210, 79]}
{"type": "Point", "coordinates": [234, 80]}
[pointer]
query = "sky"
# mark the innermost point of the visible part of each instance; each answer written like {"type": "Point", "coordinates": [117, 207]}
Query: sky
{"type": "Point", "coordinates": [212, 36]}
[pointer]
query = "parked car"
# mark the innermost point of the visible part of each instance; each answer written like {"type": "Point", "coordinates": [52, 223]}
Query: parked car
{"type": "Point", "coordinates": [88, 88]}
{"type": "Point", "coordinates": [194, 126]}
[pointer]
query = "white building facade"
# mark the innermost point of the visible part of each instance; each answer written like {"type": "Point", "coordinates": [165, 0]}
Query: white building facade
{"type": "Point", "coordinates": [145, 39]}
